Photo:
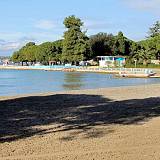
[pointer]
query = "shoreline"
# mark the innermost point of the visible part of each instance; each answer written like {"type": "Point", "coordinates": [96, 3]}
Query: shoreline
{"type": "Point", "coordinates": [118, 72]}
{"type": "Point", "coordinates": [81, 91]}
{"type": "Point", "coordinates": [80, 69]}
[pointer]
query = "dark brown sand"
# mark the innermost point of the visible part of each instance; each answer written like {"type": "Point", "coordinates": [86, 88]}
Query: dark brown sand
{"type": "Point", "coordinates": [110, 124]}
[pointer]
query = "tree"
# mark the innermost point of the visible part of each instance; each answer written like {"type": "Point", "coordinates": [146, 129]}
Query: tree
{"type": "Point", "coordinates": [152, 44]}
{"type": "Point", "coordinates": [30, 44]}
{"type": "Point", "coordinates": [101, 44]}
{"type": "Point", "coordinates": [30, 53]}
{"type": "Point", "coordinates": [144, 56]}
{"type": "Point", "coordinates": [75, 43]}
{"type": "Point", "coordinates": [39, 53]}
{"type": "Point", "coordinates": [155, 30]}
{"type": "Point", "coordinates": [50, 51]}
{"type": "Point", "coordinates": [120, 45]}
{"type": "Point", "coordinates": [15, 57]}
{"type": "Point", "coordinates": [25, 54]}
{"type": "Point", "coordinates": [58, 50]}
{"type": "Point", "coordinates": [47, 52]}
{"type": "Point", "coordinates": [146, 50]}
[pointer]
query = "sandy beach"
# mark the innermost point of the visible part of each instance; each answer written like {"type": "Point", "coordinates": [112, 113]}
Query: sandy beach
{"type": "Point", "coordinates": [120, 123]}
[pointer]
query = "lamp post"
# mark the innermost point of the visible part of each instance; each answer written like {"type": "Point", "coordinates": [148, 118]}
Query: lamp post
{"type": "Point", "coordinates": [135, 62]}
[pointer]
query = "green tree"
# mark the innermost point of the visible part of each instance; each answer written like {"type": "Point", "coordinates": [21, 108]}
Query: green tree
{"type": "Point", "coordinates": [50, 51]}
{"type": "Point", "coordinates": [25, 54]}
{"type": "Point", "coordinates": [39, 53]}
{"type": "Point", "coordinates": [15, 57]}
{"type": "Point", "coordinates": [30, 44]}
{"type": "Point", "coordinates": [152, 44]}
{"type": "Point", "coordinates": [144, 56]}
{"type": "Point", "coordinates": [58, 52]}
{"type": "Point", "coordinates": [30, 53]}
{"type": "Point", "coordinates": [120, 45]}
{"type": "Point", "coordinates": [75, 43]}
{"type": "Point", "coordinates": [101, 44]}
{"type": "Point", "coordinates": [47, 50]}
{"type": "Point", "coordinates": [155, 30]}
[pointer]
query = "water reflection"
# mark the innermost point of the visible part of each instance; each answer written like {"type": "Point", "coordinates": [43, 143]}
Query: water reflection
{"type": "Point", "coordinates": [73, 81]}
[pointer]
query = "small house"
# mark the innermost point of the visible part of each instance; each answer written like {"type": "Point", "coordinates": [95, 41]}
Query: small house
{"type": "Point", "coordinates": [6, 62]}
{"type": "Point", "coordinates": [111, 61]}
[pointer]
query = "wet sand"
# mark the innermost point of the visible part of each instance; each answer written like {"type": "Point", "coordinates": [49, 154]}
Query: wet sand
{"type": "Point", "coordinates": [120, 123]}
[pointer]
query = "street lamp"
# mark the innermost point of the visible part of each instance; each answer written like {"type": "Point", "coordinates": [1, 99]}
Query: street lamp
{"type": "Point", "coordinates": [135, 63]}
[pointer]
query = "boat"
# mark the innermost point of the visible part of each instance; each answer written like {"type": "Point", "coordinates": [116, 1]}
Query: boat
{"type": "Point", "coordinates": [136, 74]}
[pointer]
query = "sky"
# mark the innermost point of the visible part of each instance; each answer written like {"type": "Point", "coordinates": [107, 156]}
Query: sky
{"type": "Point", "coordinates": [22, 21]}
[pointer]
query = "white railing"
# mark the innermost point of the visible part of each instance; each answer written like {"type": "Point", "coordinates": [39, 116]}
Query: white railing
{"type": "Point", "coordinates": [133, 70]}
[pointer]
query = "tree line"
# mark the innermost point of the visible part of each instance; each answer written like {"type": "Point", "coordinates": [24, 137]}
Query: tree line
{"type": "Point", "coordinates": [76, 46]}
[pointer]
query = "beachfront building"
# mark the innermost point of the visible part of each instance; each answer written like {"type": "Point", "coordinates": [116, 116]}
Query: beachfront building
{"type": "Point", "coordinates": [111, 61]}
{"type": "Point", "coordinates": [6, 62]}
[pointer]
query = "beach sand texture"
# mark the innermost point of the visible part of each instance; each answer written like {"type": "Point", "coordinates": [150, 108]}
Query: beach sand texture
{"type": "Point", "coordinates": [112, 124]}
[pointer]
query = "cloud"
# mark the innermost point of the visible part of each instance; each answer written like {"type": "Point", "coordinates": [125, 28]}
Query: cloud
{"type": "Point", "coordinates": [45, 24]}
{"type": "Point", "coordinates": [11, 42]}
{"type": "Point", "coordinates": [9, 46]}
{"type": "Point", "coordinates": [13, 45]}
{"type": "Point", "coordinates": [144, 5]}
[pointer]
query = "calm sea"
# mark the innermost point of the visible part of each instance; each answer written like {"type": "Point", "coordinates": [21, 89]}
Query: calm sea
{"type": "Point", "coordinates": [16, 82]}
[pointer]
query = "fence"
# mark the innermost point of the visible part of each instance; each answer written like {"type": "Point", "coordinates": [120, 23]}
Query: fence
{"type": "Point", "coordinates": [133, 70]}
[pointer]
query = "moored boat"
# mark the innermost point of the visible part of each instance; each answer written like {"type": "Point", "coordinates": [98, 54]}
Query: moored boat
{"type": "Point", "coordinates": [136, 74]}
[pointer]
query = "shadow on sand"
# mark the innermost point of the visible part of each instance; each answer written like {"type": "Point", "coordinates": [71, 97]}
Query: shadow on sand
{"type": "Point", "coordinates": [20, 117]}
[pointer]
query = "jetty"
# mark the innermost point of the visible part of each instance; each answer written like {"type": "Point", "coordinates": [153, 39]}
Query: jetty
{"type": "Point", "coordinates": [137, 73]}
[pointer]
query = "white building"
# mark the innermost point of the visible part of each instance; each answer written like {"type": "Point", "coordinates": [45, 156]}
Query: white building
{"type": "Point", "coordinates": [111, 61]}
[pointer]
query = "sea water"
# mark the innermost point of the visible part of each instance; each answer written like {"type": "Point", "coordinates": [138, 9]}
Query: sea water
{"type": "Point", "coordinates": [17, 82]}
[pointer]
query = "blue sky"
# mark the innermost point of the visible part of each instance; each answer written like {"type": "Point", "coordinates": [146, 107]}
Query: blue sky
{"type": "Point", "coordinates": [42, 20]}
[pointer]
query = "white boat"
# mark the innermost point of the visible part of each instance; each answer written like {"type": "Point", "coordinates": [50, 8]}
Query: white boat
{"type": "Point", "coordinates": [137, 74]}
